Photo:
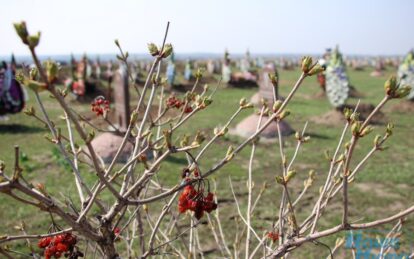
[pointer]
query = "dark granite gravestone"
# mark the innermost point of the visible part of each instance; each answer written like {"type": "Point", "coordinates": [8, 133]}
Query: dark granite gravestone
{"type": "Point", "coordinates": [265, 86]}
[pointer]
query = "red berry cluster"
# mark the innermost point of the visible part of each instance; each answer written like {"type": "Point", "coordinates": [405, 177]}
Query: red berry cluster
{"type": "Point", "coordinates": [274, 236]}
{"type": "Point", "coordinates": [188, 109]}
{"type": "Point", "coordinates": [174, 102]}
{"type": "Point", "coordinates": [100, 106]}
{"type": "Point", "coordinates": [193, 200]}
{"type": "Point", "coordinates": [117, 231]}
{"type": "Point", "coordinates": [58, 245]}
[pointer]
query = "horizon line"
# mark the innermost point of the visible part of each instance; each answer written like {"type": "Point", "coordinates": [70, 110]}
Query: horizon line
{"type": "Point", "coordinates": [238, 54]}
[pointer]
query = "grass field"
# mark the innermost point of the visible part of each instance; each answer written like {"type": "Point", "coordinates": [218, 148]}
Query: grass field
{"type": "Point", "coordinates": [383, 188]}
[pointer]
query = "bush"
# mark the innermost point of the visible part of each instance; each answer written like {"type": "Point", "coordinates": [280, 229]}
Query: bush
{"type": "Point", "coordinates": [115, 206]}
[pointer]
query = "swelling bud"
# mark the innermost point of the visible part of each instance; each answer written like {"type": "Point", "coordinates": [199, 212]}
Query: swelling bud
{"type": "Point", "coordinates": [390, 86]}
{"type": "Point", "coordinates": [306, 64]}
{"type": "Point", "coordinates": [316, 69]}
{"type": "Point", "coordinates": [274, 79]}
{"type": "Point", "coordinates": [52, 70]}
{"type": "Point", "coordinates": [33, 40]}
{"type": "Point", "coordinates": [21, 30]}
{"type": "Point", "coordinates": [168, 49]}
{"type": "Point", "coordinates": [402, 92]}
{"type": "Point", "coordinates": [153, 49]}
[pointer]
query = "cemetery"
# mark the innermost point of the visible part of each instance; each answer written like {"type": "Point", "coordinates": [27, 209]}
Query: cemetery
{"type": "Point", "coordinates": [239, 154]}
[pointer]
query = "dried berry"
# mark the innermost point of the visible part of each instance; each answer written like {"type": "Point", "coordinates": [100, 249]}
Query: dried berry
{"type": "Point", "coordinates": [44, 242]}
{"type": "Point", "coordinates": [174, 102]}
{"type": "Point", "coordinates": [117, 231]}
{"type": "Point", "coordinates": [194, 200]}
{"type": "Point", "coordinates": [57, 245]}
{"type": "Point", "coordinates": [100, 106]}
{"type": "Point", "coordinates": [188, 109]}
{"type": "Point", "coordinates": [273, 235]}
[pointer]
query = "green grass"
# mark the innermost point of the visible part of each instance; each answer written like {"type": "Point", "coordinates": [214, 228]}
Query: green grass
{"type": "Point", "coordinates": [381, 189]}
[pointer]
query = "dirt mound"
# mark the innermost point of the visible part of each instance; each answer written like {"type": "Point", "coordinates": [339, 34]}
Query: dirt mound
{"type": "Point", "coordinates": [364, 109]}
{"type": "Point", "coordinates": [186, 87]}
{"type": "Point", "coordinates": [331, 118]}
{"type": "Point", "coordinates": [403, 107]}
{"type": "Point", "coordinates": [354, 93]}
{"type": "Point", "coordinates": [336, 117]}
{"type": "Point", "coordinates": [320, 95]}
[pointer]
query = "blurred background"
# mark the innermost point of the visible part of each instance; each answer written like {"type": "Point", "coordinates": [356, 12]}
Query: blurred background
{"type": "Point", "coordinates": [208, 27]}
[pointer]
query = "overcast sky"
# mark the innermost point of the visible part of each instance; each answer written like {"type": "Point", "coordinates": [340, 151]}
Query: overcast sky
{"type": "Point", "coordinates": [209, 26]}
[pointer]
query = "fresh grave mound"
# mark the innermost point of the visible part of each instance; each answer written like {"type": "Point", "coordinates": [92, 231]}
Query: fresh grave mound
{"type": "Point", "coordinates": [319, 95]}
{"type": "Point", "coordinates": [403, 106]}
{"type": "Point", "coordinates": [187, 87]}
{"type": "Point", "coordinates": [336, 117]}
{"type": "Point", "coordinates": [354, 93]}
{"type": "Point", "coordinates": [331, 118]}
{"type": "Point", "coordinates": [242, 83]}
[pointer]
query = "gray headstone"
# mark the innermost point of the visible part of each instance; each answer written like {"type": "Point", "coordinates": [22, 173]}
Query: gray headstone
{"type": "Point", "coordinates": [211, 67]}
{"type": "Point", "coordinates": [121, 98]}
{"type": "Point", "coordinates": [265, 85]}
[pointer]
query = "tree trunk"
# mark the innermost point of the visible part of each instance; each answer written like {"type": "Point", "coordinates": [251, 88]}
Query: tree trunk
{"type": "Point", "coordinates": [109, 250]}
